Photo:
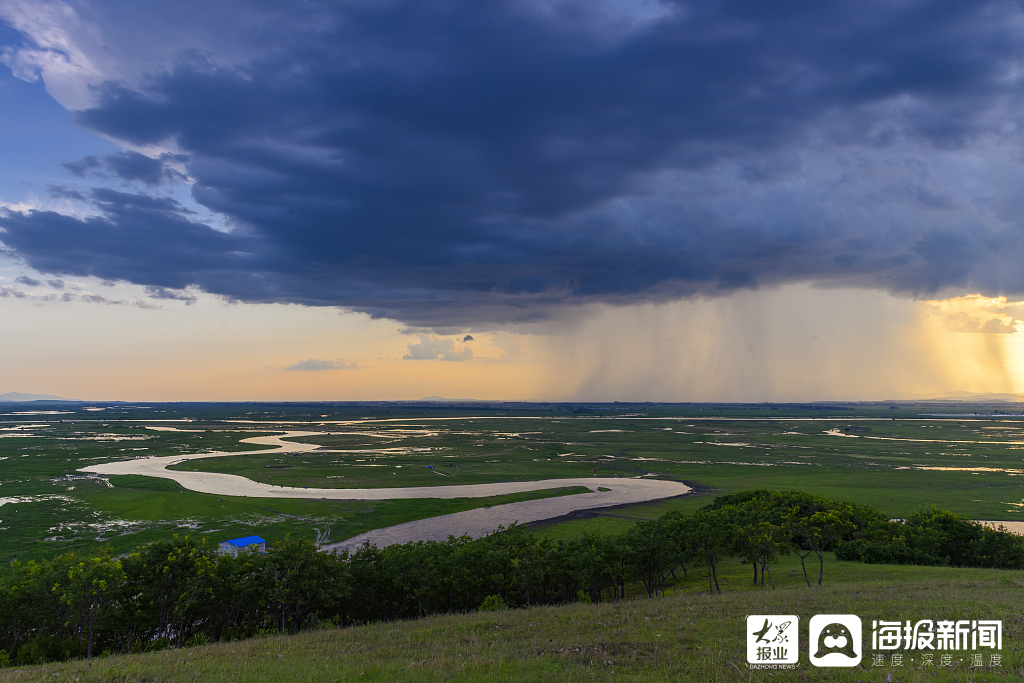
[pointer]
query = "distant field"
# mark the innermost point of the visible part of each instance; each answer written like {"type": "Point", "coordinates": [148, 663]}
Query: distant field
{"type": "Point", "coordinates": [896, 459]}
{"type": "Point", "coordinates": [688, 636]}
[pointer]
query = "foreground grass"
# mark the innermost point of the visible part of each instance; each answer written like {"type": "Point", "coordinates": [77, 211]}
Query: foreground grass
{"type": "Point", "coordinates": [687, 636]}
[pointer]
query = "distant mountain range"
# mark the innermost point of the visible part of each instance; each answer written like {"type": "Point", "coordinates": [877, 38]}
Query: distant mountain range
{"type": "Point", "coordinates": [17, 396]}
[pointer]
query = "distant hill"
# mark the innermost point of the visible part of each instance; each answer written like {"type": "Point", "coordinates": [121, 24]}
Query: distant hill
{"type": "Point", "coordinates": [440, 399]}
{"type": "Point", "coordinates": [970, 397]}
{"type": "Point", "coordinates": [17, 396]}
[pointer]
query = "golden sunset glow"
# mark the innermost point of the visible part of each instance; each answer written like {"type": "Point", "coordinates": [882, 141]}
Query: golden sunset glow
{"type": "Point", "coordinates": [791, 344]}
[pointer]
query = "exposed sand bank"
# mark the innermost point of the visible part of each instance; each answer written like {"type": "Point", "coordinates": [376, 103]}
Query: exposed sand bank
{"type": "Point", "coordinates": [482, 521]}
{"type": "Point", "coordinates": [1012, 527]}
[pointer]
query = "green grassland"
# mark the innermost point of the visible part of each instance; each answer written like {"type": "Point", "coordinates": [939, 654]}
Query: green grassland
{"type": "Point", "coordinates": [687, 636]}
{"type": "Point", "coordinates": [898, 458]}
{"type": "Point", "coordinates": [876, 461]}
{"type": "Point", "coordinates": [136, 510]}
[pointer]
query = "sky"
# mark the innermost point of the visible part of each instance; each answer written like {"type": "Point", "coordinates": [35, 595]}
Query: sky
{"type": "Point", "coordinates": [531, 199]}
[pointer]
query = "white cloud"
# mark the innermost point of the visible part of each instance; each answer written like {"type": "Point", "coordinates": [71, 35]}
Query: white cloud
{"type": "Point", "coordinates": [56, 54]}
{"type": "Point", "coordinates": [978, 314]}
{"type": "Point", "coordinates": [437, 348]}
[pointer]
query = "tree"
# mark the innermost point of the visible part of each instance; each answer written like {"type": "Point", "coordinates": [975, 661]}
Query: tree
{"type": "Point", "coordinates": [798, 530]}
{"type": "Point", "coordinates": [27, 605]}
{"type": "Point", "coordinates": [998, 548]}
{"type": "Point", "coordinates": [650, 553]}
{"type": "Point", "coordinates": [373, 581]}
{"type": "Point", "coordinates": [823, 530]}
{"type": "Point", "coordinates": [170, 591]}
{"type": "Point", "coordinates": [767, 542]}
{"type": "Point", "coordinates": [304, 582]}
{"type": "Point", "coordinates": [452, 584]}
{"type": "Point", "coordinates": [415, 569]}
{"type": "Point", "coordinates": [91, 588]}
{"type": "Point", "coordinates": [707, 535]}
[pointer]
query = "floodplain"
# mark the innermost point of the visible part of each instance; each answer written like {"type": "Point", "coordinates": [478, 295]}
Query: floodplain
{"type": "Point", "coordinates": [897, 457]}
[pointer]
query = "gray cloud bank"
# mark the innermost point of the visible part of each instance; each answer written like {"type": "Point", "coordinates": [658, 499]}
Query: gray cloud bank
{"type": "Point", "coordinates": [316, 364]}
{"type": "Point", "coordinates": [452, 162]}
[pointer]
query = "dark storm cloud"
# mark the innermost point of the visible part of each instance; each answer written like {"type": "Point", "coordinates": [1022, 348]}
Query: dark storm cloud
{"type": "Point", "coordinates": [135, 166]}
{"type": "Point", "coordinates": [59, 192]}
{"type": "Point", "coordinates": [79, 168]}
{"type": "Point", "coordinates": [449, 162]}
{"type": "Point", "coordinates": [138, 238]}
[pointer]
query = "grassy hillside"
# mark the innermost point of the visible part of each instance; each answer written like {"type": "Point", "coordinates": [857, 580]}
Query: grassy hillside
{"type": "Point", "coordinates": [688, 635]}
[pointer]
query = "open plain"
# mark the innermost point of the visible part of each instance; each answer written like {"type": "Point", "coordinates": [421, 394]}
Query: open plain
{"type": "Point", "coordinates": [79, 476]}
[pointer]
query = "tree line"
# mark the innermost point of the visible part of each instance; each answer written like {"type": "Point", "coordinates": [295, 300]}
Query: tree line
{"type": "Point", "coordinates": [182, 591]}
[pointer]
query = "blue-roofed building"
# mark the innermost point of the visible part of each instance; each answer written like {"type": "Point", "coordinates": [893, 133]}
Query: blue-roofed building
{"type": "Point", "coordinates": [248, 543]}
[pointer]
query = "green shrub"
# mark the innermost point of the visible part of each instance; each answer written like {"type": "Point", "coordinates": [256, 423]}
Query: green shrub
{"type": "Point", "coordinates": [198, 639]}
{"type": "Point", "coordinates": [493, 603]}
{"type": "Point", "coordinates": [30, 653]}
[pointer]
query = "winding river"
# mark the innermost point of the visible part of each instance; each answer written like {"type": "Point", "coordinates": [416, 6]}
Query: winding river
{"type": "Point", "coordinates": [475, 523]}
